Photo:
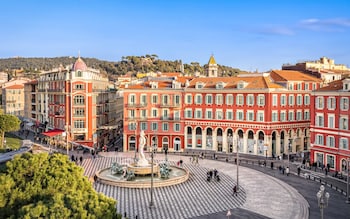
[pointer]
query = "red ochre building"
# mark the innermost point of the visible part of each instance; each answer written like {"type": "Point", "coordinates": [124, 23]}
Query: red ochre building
{"type": "Point", "coordinates": [76, 100]}
{"type": "Point", "coordinates": [260, 114]}
{"type": "Point", "coordinates": [330, 133]}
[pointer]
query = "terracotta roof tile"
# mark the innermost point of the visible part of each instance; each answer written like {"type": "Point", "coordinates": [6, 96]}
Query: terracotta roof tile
{"type": "Point", "coordinates": [291, 75]}
{"type": "Point", "coordinates": [16, 86]}
{"type": "Point", "coordinates": [332, 86]}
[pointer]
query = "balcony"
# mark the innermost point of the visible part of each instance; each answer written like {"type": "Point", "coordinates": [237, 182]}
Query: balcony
{"type": "Point", "coordinates": [166, 118]}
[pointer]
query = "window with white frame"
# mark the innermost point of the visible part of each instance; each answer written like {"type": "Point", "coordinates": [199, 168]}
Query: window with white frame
{"type": "Point", "coordinates": [283, 116]}
{"type": "Point", "coordinates": [344, 144]}
{"type": "Point", "coordinates": [177, 127]}
{"type": "Point", "coordinates": [299, 86]}
{"type": "Point", "coordinates": [260, 116]}
{"type": "Point", "coordinates": [188, 99]}
{"type": "Point", "coordinates": [143, 99]}
{"type": "Point", "coordinates": [209, 99]}
{"type": "Point", "coordinates": [344, 103]}
{"type": "Point", "coordinates": [291, 100]}
{"type": "Point", "coordinates": [177, 115]}
{"type": "Point", "coordinates": [261, 100]}
{"type": "Point", "coordinates": [209, 113]}
{"type": "Point", "coordinates": [331, 103]}
{"type": "Point", "coordinates": [307, 99]}
{"type": "Point", "coordinates": [274, 116]}
{"type": "Point", "coordinates": [198, 99]}
{"type": "Point", "coordinates": [240, 99]}
{"type": "Point", "coordinates": [306, 86]}
{"type": "Point", "coordinates": [240, 115]}
{"type": "Point", "coordinates": [290, 86]}
{"type": "Point", "coordinates": [319, 102]}
{"type": "Point", "coordinates": [330, 160]}
{"type": "Point", "coordinates": [299, 115]}
{"type": "Point", "coordinates": [283, 100]}
{"type": "Point", "coordinates": [143, 113]}
{"type": "Point", "coordinates": [274, 99]}
{"type": "Point", "coordinates": [219, 114]}
{"type": "Point", "coordinates": [313, 86]}
{"type": "Point", "coordinates": [177, 100]}
{"type": "Point", "coordinates": [250, 115]}
{"type": "Point", "coordinates": [306, 115]}
{"type": "Point", "coordinates": [165, 99]}
{"type": "Point", "coordinates": [250, 99]}
{"type": "Point", "coordinates": [343, 123]}
{"type": "Point", "coordinates": [330, 141]}
{"type": "Point", "coordinates": [143, 126]}
{"type": "Point", "coordinates": [131, 114]}
{"type": "Point", "coordinates": [319, 139]}
{"type": "Point", "coordinates": [229, 99]}
{"type": "Point", "coordinates": [79, 124]}
{"type": "Point", "coordinates": [331, 120]}
{"type": "Point", "coordinates": [219, 99]}
{"type": "Point", "coordinates": [165, 113]}
{"type": "Point", "coordinates": [198, 114]}
{"type": "Point", "coordinates": [154, 113]}
{"type": "Point", "coordinates": [188, 113]}
{"type": "Point", "coordinates": [229, 114]}
{"type": "Point", "coordinates": [299, 100]}
{"type": "Point", "coordinates": [319, 120]}
{"type": "Point", "coordinates": [290, 115]}
{"type": "Point", "coordinates": [132, 99]}
{"type": "Point", "coordinates": [132, 126]}
{"type": "Point", "coordinates": [154, 99]}
{"type": "Point", "coordinates": [165, 126]}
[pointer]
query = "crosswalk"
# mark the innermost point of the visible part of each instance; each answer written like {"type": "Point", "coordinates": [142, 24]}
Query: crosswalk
{"type": "Point", "coordinates": [193, 198]}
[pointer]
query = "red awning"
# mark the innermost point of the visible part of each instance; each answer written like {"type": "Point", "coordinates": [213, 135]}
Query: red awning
{"type": "Point", "coordinates": [53, 132]}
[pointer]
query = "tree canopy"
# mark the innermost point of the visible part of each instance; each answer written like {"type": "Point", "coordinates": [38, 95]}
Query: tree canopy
{"type": "Point", "coordinates": [50, 186]}
{"type": "Point", "coordinates": [8, 123]}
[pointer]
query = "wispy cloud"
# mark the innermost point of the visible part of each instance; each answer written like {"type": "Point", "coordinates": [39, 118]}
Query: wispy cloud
{"type": "Point", "coordinates": [329, 25]}
{"type": "Point", "coordinates": [277, 31]}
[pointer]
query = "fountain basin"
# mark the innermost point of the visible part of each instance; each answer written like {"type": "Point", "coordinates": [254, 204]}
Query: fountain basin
{"type": "Point", "coordinates": [177, 175]}
{"type": "Point", "coordinates": [143, 170]}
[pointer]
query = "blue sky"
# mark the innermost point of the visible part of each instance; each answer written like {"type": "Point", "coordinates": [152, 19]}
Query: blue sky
{"type": "Point", "coordinates": [250, 35]}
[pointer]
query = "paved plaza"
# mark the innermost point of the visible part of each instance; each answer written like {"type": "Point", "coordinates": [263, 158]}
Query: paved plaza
{"type": "Point", "coordinates": [260, 196]}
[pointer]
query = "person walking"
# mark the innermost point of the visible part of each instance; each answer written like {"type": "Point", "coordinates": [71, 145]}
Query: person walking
{"type": "Point", "coordinates": [299, 170]}
{"type": "Point", "coordinates": [81, 160]}
{"type": "Point", "coordinates": [287, 171]}
{"type": "Point", "coordinates": [235, 190]}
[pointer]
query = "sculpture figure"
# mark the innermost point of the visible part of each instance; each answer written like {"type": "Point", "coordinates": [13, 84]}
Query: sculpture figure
{"type": "Point", "coordinates": [142, 159]}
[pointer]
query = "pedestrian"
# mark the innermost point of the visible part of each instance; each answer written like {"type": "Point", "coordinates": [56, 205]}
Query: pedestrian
{"type": "Point", "coordinates": [81, 160]}
{"type": "Point", "coordinates": [299, 170]}
{"type": "Point", "coordinates": [72, 158]}
{"type": "Point", "coordinates": [283, 169]}
{"type": "Point", "coordinates": [235, 190]}
{"type": "Point", "coordinates": [280, 168]}
{"type": "Point", "coordinates": [326, 171]}
{"type": "Point", "coordinates": [271, 165]}
{"type": "Point", "coordinates": [287, 171]}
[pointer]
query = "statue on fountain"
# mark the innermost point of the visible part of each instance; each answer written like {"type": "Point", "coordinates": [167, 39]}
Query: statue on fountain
{"type": "Point", "coordinates": [142, 159]}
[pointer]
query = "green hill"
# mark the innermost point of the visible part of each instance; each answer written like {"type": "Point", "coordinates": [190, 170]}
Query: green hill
{"type": "Point", "coordinates": [128, 64]}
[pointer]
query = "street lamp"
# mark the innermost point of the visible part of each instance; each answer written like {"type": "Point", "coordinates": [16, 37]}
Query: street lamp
{"type": "Point", "coordinates": [237, 158]}
{"type": "Point", "coordinates": [151, 203]}
{"type": "Point", "coordinates": [322, 197]}
{"type": "Point", "coordinates": [347, 181]}
{"type": "Point", "coordinates": [65, 134]}
{"type": "Point", "coordinates": [5, 143]}
{"type": "Point", "coordinates": [135, 141]}
{"type": "Point", "coordinates": [289, 147]}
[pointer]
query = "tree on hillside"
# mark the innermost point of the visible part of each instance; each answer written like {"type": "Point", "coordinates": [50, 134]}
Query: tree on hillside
{"type": "Point", "coordinates": [50, 186]}
{"type": "Point", "coordinates": [8, 123]}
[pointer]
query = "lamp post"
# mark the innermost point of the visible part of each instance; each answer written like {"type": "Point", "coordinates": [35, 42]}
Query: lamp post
{"type": "Point", "coordinates": [322, 198]}
{"type": "Point", "coordinates": [5, 143]}
{"type": "Point", "coordinates": [151, 204]}
{"type": "Point", "coordinates": [237, 158]}
{"type": "Point", "coordinates": [347, 181]}
{"type": "Point", "coordinates": [65, 134]}
{"type": "Point", "coordinates": [135, 141]}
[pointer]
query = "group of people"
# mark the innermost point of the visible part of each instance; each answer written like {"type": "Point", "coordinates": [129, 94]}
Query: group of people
{"type": "Point", "coordinates": [194, 159]}
{"type": "Point", "coordinates": [213, 174]}
{"type": "Point", "coordinates": [75, 159]}
{"type": "Point", "coordinates": [283, 170]}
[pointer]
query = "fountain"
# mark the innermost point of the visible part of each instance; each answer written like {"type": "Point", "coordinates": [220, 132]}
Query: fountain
{"type": "Point", "coordinates": [138, 173]}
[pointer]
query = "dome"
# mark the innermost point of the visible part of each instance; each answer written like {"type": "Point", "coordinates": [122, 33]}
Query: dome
{"type": "Point", "coordinates": [79, 65]}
